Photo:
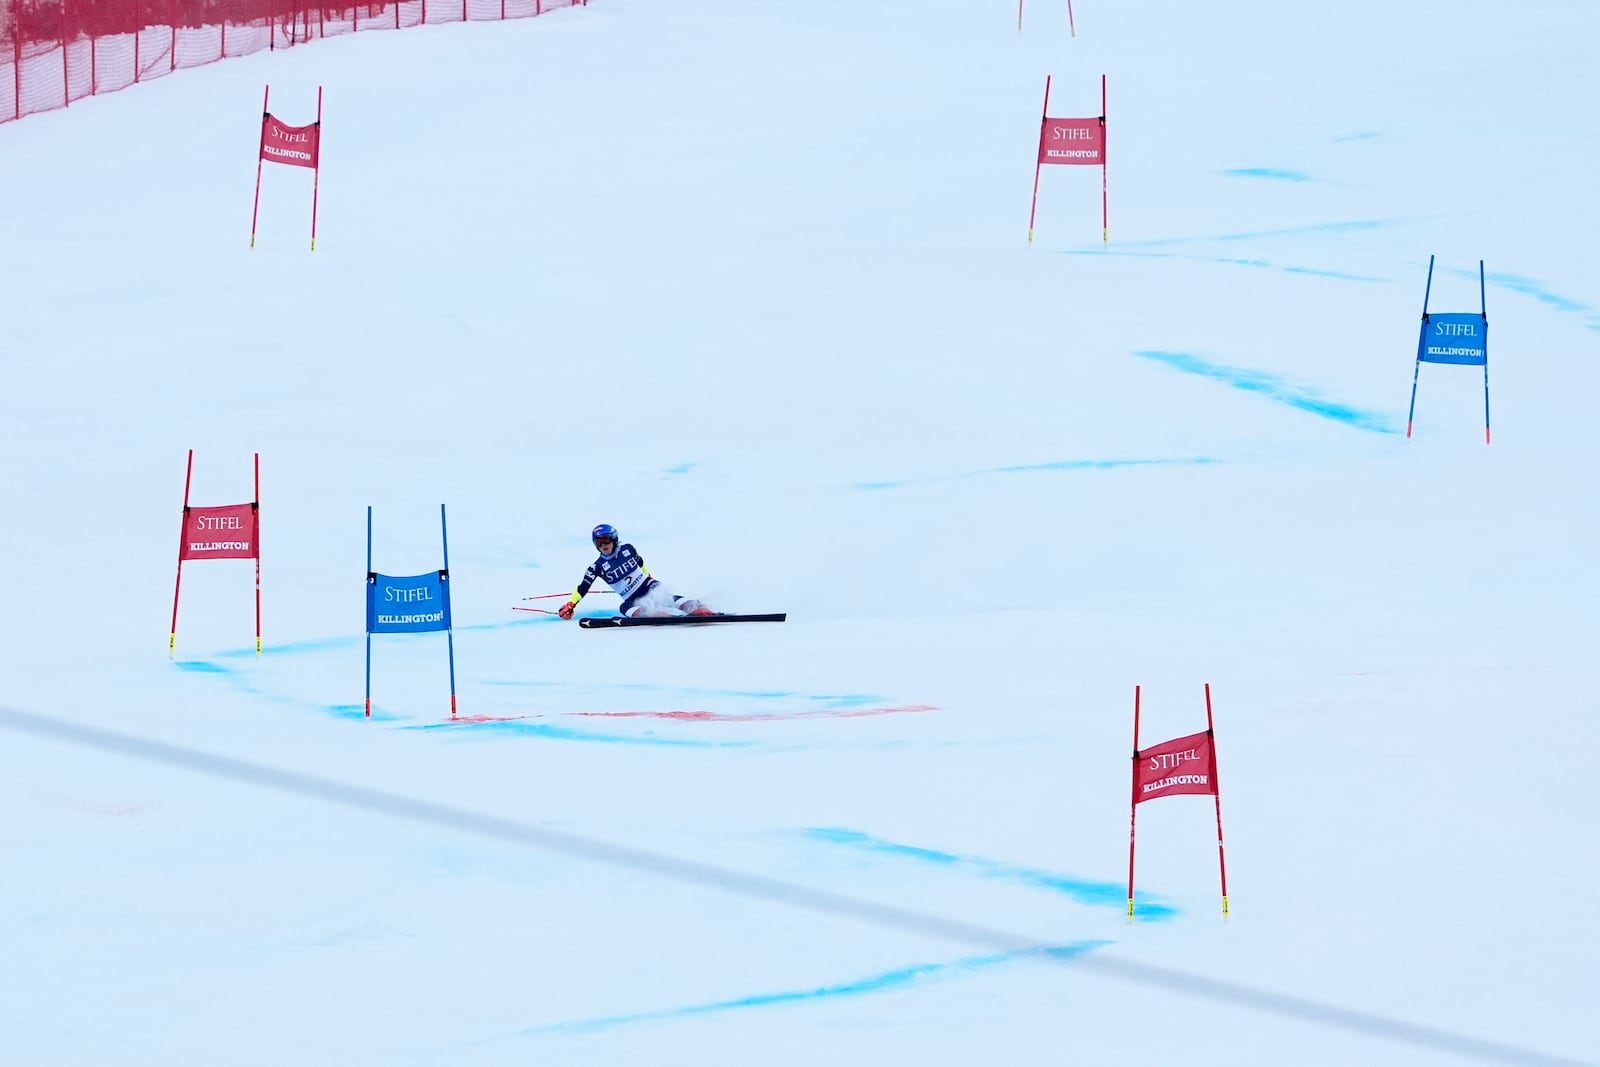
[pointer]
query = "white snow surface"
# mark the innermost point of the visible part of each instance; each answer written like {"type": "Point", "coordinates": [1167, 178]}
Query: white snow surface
{"type": "Point", "coordinates": [750, 280]}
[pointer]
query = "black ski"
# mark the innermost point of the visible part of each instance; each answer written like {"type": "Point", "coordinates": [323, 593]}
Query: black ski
{"type": "Point", "coordinates": [615, 621]}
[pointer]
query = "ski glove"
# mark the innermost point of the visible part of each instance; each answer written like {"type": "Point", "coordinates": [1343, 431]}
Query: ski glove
{"type": "Point", "coordinates": [566, 610]}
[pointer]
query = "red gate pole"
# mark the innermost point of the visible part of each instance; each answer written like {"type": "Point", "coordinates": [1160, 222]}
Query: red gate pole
{"type": "Point", "coordinates": [1222, 860]}
{"type": "Point", "coordinates": [256, 209]}
{"type": "Point", "coordinates": [1133, 806]}
{"type": "Point", "coordinates": [316, 172]}
{"type": "Point", "coordinates": [255, 538]}
{"type": "Point", "coordinates": [1032, 211]}
{"type": "Point", "coordinates": [172, 638]}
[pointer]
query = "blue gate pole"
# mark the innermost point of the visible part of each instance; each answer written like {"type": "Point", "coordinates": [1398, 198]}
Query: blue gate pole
{"type": "Point", "coordinates": [449, 633]}
{"type": "Point", "coordinates": [1483, 305]}
{"type": "Point", "coordinates": [368, 626]}
{"type": "Point", "coordinates": [1415, 371]}
{"type": "Point", "coordinates": [1421, 340]}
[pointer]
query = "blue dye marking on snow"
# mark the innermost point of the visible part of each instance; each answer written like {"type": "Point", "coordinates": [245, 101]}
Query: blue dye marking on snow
{"type": "Point", "coordinates": [1353, 226]}
{"type": "Point", "coordinates": [1268, 172]}
{"type": "Point", "coordinates": [1365, 135]}
{"type": "Point", "coordinates": [1232, 260]}
{"type": "Point", "coordinates": [359, 712]}
{"type": "Point", "coordinates": [234, 677]}
{"type": "Point", "coordinates": [1099, 894]}
{"type": "Point", "coordinates": [244, 685]}
{"type": "Point", "coordinates": [887, 981]}
{"type": "Point", "coordinates": [200, 666]}
{"type": "Point", "coordinates": [1528, 287]}
{"type": "Point", "coordinates": [1035, 468]}
{"type": "Point", "coordinates": [682, 468]}
{"type": "Point", "coordinates": [1276, 389]}
{"type": "Point", "coordinates": [845, 701]}
{"type": "Point", "coordinates": [1099, 464]}
{"type": "Point", "coordinates": [1317, 272]}
{"type": "Point", "coordinates": [548, 731]}
{"type": "Point", "coordinates": [321, 644]}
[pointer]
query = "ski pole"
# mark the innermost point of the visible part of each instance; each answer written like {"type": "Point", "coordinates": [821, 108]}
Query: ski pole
{"type": "Point", "coordinates": [552, 596]}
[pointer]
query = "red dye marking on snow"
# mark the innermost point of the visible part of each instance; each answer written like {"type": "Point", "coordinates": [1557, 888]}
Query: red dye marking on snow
{"type": "Point", "coordinates": [713, 716]}
{"type": "Point", "coordinates": [470, 719]}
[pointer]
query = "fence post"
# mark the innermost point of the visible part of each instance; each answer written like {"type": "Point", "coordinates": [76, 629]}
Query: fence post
{"type": "Point", "coordinates": [66, 75]}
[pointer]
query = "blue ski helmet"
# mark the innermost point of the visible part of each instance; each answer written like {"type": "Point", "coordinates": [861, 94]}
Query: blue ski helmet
{"type": "Point", "coordinates": [605, 529]}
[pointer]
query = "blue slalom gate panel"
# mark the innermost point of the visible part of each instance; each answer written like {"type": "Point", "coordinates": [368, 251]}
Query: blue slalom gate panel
{"type": "Point", "coordinates": [414, 604]}
{"type": "Point", "coordinates": [1456, 337]}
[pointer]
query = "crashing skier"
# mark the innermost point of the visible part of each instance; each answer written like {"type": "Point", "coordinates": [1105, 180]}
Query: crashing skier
{"type": "Point", "coordinates": [622, 568]}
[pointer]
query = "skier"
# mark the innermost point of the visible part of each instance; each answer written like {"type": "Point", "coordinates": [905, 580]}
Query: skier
{"type": "Point", "coordinates": [622, 568]}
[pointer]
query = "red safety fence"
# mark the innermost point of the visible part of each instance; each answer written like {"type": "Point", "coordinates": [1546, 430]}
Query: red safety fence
{"type": "Point", "coordinates": [53, 52]}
